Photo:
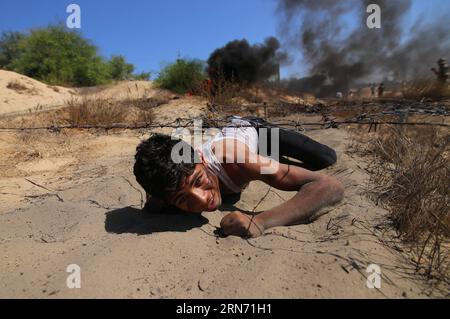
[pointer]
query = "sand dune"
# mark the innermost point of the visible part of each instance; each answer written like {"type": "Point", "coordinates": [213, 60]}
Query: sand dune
{"type": "Point", "coordinates": [19, 93]}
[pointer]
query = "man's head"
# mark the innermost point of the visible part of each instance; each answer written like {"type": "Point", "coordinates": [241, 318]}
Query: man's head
{"type": "Point", "coordinates": [186, 185]}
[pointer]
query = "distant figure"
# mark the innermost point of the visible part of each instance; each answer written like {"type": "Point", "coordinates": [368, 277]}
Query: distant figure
{"type": "Point", "coordinates": [351, 94]}
{"type": "Point", "coordinates": [443, 72]}
{"type": "Point", "coordinates": [373, 88]}
{"type": "Point", "coordinates": [339, 95]}
{"type": "Point", "coordinates": [381, 89]}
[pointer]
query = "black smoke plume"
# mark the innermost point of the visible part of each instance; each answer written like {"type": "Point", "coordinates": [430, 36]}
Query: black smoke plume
{"type": "Point", "coordinates": [339, 60]}
{"type": "Point", "coordinates": [244, 63]}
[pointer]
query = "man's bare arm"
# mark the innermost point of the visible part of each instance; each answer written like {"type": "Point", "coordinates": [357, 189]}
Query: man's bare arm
{"type": "Point", "coordinates": [315, 192]}
{"type": "Point", "coordinates": [305, 205]}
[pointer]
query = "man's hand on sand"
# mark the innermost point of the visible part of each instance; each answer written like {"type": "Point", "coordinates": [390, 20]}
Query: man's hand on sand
{"type": "Point", "coordinates": [240, 224]}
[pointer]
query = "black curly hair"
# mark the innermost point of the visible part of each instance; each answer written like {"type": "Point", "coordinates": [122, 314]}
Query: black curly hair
{"type": "Point", "coordinates": [154, 168]}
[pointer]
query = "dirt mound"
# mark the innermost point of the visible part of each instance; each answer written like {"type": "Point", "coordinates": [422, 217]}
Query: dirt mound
{"type": "Point", "coordinates": [125, 90]}
{"type": "Point", "coordinates": [19, 93]}
{"type": "Point", "coordinates": [274, 95]}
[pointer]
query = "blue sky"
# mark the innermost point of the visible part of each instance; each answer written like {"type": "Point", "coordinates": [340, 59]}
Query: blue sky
{"type": "Point", "coordinates": [150, 33]}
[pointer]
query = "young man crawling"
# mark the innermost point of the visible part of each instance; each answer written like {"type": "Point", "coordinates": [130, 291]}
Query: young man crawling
{"type": "Point", "coordinates": [226, 164]}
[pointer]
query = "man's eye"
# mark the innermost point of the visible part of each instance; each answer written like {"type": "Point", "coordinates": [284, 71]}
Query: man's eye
{"type": "Point", "coordinates": [198, 182]}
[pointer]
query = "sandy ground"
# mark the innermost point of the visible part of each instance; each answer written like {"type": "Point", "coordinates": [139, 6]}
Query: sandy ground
{"type": "Point", "coordinates": [71, 198]}
{"type": "Point", "coordinates": [84, 208]}
{"type": "Point", "coordinates": [19, 93]}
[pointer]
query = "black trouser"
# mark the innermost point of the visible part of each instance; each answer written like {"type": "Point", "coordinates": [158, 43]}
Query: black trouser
{"type": "Point", "coordinates": [314, 155]}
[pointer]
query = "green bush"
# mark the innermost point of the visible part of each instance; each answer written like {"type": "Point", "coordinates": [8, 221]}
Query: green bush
{"type": "Point", "coordinates": [119, 68]}
{"type": "Point", "coordinates": [59, 56]}
{"type": "Point", "coordinates": [182, 76]}
{"type": "Point", "coordinates": [10, 48]}
{"type": "Point", "coordinates": [143, 76]}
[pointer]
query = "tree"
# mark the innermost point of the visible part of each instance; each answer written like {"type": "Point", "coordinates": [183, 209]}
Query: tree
{"type": "Point", "coordinates": [143, 76]}
{"type": "Point", "coordinates": [10, 48]}
{"type": "Point", "coordinates": [182, 76]}
{"type": "Point", "coordinates": [119, 68]}
{"type": "Point", "coordinates": [58, 56]}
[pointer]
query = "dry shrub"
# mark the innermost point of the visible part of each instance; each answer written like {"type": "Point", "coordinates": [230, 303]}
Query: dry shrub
{"type": "Point", "coordinates": [95, 112]}
{"type": "Point", "coordinates": [32, 119]}
{"type": "Point", "coordinates": [221, 93]}
{"type": "Point", "coordinates": [98, 111]}
{"type": "Point", "coordinates": [31, 144]}
{"type": "Point", "coordinates": [227, 97]}
{"type": "Point", "coordinates": [426, 88]}
{"type": "Point", "coordinates": [253, 95]}
{"type": "Point", "coordinates": [146, 103]}
{"type": "Point", "coordinates": [410, 172]}
{"type": "Point", "coordinates": [145, 116]}
{"type": "Point", "coordinates": [16, 86]}
{"type": "Point", "coordinates": [87, 111]}
{"type": "Point", "coordinates": [258, 99]}
{"type": "Point", "coordinates": [54, 88]}
{"type": "Point", "coordinates": [283, 109]}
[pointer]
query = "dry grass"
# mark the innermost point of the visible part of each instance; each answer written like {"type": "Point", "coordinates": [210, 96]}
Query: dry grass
{"type": "Point", "coordinates": [54, 88]}
{"type": "Point", "coordinates": [261, 99]}
{"type": "Point", "coordinates": [410, 175]}
{"type": "Point", "coordinates": [81, 112]}
{"type": "Point", "coordinates": [32, 119]}
{"type": "Point", "coordinates": [16, 86]}
{"type": "Point", "coordinates": [109, 112]}
{"type": "Point", "coordinates": [31, 143]}
{"type": "Point", "coordinates": [220, 93]}
{"type": "Point", "coordinates": [231, 98]}
{"type": "Point", "coordinates": [426, 88]}
{"type": "Point", "coordinates": [145, 116]}
{"type": "Point", "coordinates": [95, 112]}
{"type": "Point", "coordinates": [146, 103]}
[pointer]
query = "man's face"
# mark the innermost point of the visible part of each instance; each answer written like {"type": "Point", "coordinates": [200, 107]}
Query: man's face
{"type": "Point", "coordinates": [199, 192]}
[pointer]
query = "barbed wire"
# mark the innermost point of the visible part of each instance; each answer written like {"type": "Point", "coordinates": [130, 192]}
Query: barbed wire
{"type": "Point", "coordinates": [328, 121]}
{"type": "Point", "coordinates": [215, 123]}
